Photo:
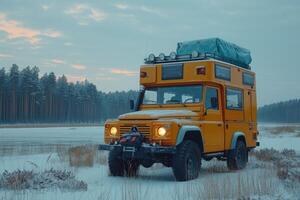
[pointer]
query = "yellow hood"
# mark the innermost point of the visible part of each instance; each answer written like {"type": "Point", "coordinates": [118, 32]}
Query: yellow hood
{"type": "Point", "coordinates": [157, 114]}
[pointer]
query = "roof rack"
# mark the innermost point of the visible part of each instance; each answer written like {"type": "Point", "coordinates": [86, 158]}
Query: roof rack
{"type": "Point", "coordinates": [191, 57]}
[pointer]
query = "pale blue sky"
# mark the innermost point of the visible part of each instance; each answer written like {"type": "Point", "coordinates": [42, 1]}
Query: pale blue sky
{"type": "Point", "coordinates": [106, 41]}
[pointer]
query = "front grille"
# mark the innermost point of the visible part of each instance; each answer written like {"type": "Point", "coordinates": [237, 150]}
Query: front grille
{"type": "Point", "coordinates": [143, 129]}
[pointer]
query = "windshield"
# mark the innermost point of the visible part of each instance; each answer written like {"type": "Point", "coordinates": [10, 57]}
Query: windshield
{"type": "Point", "coordinates": [173, 95]}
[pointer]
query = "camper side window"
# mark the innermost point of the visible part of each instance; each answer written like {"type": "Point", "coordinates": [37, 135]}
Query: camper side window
{"type": "Point", "coordinates": [234, 99]}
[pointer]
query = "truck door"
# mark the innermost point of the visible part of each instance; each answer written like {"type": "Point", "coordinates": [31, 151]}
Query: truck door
{"type": "Point", "coordinates": [213, 127]}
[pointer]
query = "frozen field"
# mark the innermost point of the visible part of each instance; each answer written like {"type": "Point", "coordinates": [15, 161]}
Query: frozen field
{"type": "Point", "coordinates": [40, 149]}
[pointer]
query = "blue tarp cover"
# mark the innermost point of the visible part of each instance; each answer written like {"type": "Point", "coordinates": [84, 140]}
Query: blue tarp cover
{"type": "Point", "coordinates": [222, 49]}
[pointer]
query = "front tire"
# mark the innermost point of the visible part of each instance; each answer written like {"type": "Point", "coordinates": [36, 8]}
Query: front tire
{"type": "Point", "coordinates": [115, 163]}
{"type": "Point", "coordinates": [237, 158]}
{"type": "Point", "coordinates": [187, 161]}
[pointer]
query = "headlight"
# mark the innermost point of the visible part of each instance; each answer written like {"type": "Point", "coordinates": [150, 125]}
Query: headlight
{"type": "Point", "coordinates": [113, 131]}
{"type": "Point", "coordinates": [161, 131]}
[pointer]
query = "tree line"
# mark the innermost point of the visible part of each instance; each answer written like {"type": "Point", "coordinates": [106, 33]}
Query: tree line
{"type": "Point", "coordinates": [284, 112]}
{"type": "Point", "coordinates": [26, 97]}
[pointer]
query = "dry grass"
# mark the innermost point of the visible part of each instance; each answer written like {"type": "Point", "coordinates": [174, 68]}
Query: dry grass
{"type": "Point", "coordinates": [82, 156]}
{"type": "Point", "coordinates": [48, 125]}
{"type": "Point", "coordinates": [85, 155]}
{"type": "Point", "coordinates": [234, 186]}
{"type": "Point", "coordinates": [282, 130]}
{"type": "Point", "coordinates": [30, 180]}
{"type": "Point", "coordinates": [131, 191]}
{"type": "Point", "coordinates": [13, 150]}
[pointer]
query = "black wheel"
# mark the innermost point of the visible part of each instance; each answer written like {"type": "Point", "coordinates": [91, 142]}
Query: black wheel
{"type": "Point", "coordinates": [187, 161]}
{"type": "Point", "coordinates": [131, 167]}
{"type": "Point", "coordinates": [115, 163]}
{"type": "Point", "coordinates": [238, 158]}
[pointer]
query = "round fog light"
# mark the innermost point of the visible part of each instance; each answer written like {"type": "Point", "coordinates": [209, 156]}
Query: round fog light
{"type": "Point", "coordinates": [195, 54]}
{"type": "Point", "coordinates": [161, 56]}
{"type": "Point", "coordinates": [113, 131]}
{"type": "Point", "coordinates": [161, 131]}
{"type": "Point", "coordinates": [151, 57]}
{"type": "Point", "coordinates": [173, 55]}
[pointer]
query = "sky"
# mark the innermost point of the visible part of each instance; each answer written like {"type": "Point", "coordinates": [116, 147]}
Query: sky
{"type": "Point", "coordinates": [105, 42]}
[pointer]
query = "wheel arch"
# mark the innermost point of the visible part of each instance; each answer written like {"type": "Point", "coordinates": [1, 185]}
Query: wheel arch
{"type": "Point", "coordinates": [193, 133]}
{"type": "Point", "coordinates": [237, 136]}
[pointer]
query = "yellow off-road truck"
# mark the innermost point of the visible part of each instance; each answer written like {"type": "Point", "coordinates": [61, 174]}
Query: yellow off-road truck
{"type": "Point", "coordinates": [198, 103]}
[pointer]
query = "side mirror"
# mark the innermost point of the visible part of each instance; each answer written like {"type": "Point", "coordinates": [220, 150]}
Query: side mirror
{"type": "Point", "coordinates": [131, 102]}
{"type": "Point", "coordinates": [214, 102]}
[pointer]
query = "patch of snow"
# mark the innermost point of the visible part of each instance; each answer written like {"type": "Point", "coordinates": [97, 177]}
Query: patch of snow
{"type": "Point", "coordinates": [154, 183]}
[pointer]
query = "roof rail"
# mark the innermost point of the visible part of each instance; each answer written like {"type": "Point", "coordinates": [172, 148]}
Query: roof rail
{"type": "Point", "coordinates": [190, 57]}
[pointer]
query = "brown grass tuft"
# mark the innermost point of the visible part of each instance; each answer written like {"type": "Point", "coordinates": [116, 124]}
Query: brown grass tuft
{"type": "Point", "coordinates": [82, 156]}
{"type": "Point", "coordinates": [282, 129]}
{"type": "Point", "coordinates": [234, 186]}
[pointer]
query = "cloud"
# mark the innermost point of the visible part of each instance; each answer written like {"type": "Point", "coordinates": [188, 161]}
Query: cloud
{"type": "Point", "coordinates": [74, 78]}
{"type": "Point", "coordinates": [104, 78]}
{"type": "Point", "coordinates": [45, 7]}
{"type": "Point", "coordinates": [96, 15]}
{"type": "Point", "coordinates": [143, 8]}
{"type": "Point", "coordinates": [151, 10]}
{"type": "Point", "coordinates": [15, 29]}
{"type": "Point", "coordinates": [123, 72]}
{"type": "Point", "coordinates": [68, 44]}
{"type": "Point", "coordinates": [78, 66]}
{"type": "Point", "coordinates": [58, 61]}
{"type": "Point", "coordinates": [52, 33]}
{"type": "Point", "coordinates": [84, 13]}
{"type": "Point", "coordinates": [121, 6]}
{"type": "Point", "coordinates": [5, 55]}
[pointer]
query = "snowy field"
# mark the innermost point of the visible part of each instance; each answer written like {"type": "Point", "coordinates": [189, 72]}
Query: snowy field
{"type": "Point", "coordinates": [40, 149]}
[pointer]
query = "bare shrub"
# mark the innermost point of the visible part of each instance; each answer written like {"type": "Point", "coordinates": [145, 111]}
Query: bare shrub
{"type": "Point", "coordinates": [282, 173]}
{"type": "Point", "coordinates": [16, 180]}
{"type": "Point", "coordinates": [287, 163]}
{"type": "Point", "coordinates": [265, 154]}
{"type": "Point", "coordinates": [82, 156]}
{"type": "Point", "coordinates": [23, 179]}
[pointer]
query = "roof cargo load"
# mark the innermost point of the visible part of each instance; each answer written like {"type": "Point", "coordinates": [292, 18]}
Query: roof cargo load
{"type": "Point", "coordinates": [218, 49]}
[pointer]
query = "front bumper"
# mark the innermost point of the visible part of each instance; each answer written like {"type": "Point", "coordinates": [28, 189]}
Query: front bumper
{"type": "Point", "coordinates": [143, 151]}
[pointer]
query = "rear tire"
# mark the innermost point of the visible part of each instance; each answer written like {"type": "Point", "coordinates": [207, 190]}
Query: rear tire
{"type": "Point", "coordinates": [187, 161]}
{"type": "Point", "coordinates": [237, 158]}
{"type": "Point", "coordinates": [115, 163]}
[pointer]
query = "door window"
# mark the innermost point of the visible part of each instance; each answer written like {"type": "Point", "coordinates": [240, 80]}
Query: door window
{"type": "Point", "coordinates": [211, 99]}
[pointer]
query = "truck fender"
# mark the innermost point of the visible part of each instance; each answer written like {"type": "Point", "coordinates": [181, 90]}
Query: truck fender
{"type": "Point", "coordinates": [235, 137]}
{"type": "Point", "coordinates": [184, 129]}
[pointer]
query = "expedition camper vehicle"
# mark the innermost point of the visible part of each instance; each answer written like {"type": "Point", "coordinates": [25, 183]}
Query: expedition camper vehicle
{"type": "Point", "coordinates": [198, 103]}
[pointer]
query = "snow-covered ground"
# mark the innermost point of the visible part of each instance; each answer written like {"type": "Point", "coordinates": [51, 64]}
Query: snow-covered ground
{"type": "Point", "coordinates": [215, 181]}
